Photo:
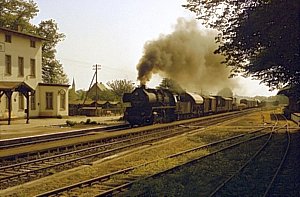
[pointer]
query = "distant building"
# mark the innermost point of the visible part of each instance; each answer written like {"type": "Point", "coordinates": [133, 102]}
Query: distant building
{"type": "Point", "coordinates": [97, 88]}
{"type": "Point", "coordinates": [73, 96]}
{"type": "Point", "coordinates": [22, 93]}
{"type": "Point", "coordinates": [88, 106]}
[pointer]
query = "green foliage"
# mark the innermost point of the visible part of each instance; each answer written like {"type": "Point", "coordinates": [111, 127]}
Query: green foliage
{"type": "Point", "coordinates": [52, 69]}
{"type": "Point", "coordinates": [88, 121]}
{"type": "Point", "coordinates": [16, 15]}
{"type": "Point", "coordinates": [72, 95]}
{"type": "Point", "coordinates": [258, 37]}
{"type": "Point", "coordinates": [170, 84]}
{"type": "Point", "coordinates": [70, 123]}
{"type": "Point", "coordinates": [81, 94]}
{"type": "Point", "coordinates": [105, 95]}
{"type": "Point", "coordinates": [280, 98]}
{"type": "Point", "coordinates": [119, 87]}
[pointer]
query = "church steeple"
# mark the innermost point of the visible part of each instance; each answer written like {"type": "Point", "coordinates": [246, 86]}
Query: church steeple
{"type": "Point", "coordinates": [73, 84]}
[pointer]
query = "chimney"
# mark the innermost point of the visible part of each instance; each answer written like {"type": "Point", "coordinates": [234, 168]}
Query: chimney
{"type": "Point", "coordinates": [143, 86]}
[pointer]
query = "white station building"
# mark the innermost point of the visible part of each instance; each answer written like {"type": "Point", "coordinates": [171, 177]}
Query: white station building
{"type": "Point", "coordinates": [22, 93]}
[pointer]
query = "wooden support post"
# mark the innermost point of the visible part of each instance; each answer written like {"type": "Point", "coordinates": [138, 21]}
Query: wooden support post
{"type": "Point", "coordinates": [27, 107]}
{"type": "Point", "coordinates": [8, 93]}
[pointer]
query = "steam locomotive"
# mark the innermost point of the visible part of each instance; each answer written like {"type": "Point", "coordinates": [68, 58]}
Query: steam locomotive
{"type": "Point", "coordinates": [147, 106]}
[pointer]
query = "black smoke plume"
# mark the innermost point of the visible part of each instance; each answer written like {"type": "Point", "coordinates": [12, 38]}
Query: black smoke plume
{"type": "Point", "coordinates": [186, 56]}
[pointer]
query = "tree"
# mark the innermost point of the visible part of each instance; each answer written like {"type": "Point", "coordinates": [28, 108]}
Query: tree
{"type": "Point", "coordinates": [119, 87]}
{"type": "Point", "coordinates": [258, 37]}
{"type": "Point", "coordinates": [81, 94]}
{"type": "Point", "coordinates": [225, 92]}
{"type": "Point", "coordinates": [105, 95]}
{"type": "Point", "coordinates": [170, 84]}
{"type": "Point", "coordinates": [16, 15]}
{"type": "Point", "coordinates": [52, 70]}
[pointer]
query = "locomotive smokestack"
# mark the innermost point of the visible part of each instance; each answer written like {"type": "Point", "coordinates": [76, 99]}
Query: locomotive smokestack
{"type": "Point", "coordinates": [143, 86]}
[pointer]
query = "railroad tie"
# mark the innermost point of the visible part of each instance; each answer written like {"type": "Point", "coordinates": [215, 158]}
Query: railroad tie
{"type": "Point", "coordinates": [4, 174]}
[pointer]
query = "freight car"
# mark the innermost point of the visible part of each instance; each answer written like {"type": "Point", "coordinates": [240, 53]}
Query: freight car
{"type": "Point", "coordinates": [189, 105]}
{"type": "Point", "coordinates": [223, 104]}
{"type": "Point", "coordinates": [147, 106]}
{"type": "Point", "coordinates": [249, 103]}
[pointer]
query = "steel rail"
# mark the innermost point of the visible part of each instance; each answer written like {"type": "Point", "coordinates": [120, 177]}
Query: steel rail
{"type": "Point", "coordinates": [252, 158]}
{"type": "Point", "coordinates": [282, 160]}
{"type": "Point", "coordinates": [206, 121]}
{"type": "Point", "coordinates": [23, 141]}
{"type": "Point", "coordinates": [119, 187]}
{"type": "Point", "coordinates": [52, 164]}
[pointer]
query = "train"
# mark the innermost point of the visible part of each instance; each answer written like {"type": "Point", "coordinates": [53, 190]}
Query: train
{"type": "Point", "coordinates": [146, 106]}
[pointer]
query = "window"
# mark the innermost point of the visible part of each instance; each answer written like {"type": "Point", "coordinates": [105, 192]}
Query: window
{"type": "Point", "coordinates": [2, 47]}
{"type": "Point", "coordinates": [32, 67]}
{"type": "Point", "coordinates": [32, 43]}
{"type": "Point", "coordinates": [21, 101]}
{"type": "Point", "coordinates": [7, 38]}
{"type": "Point", "coordinates": [6, 103]}
{"type": "Point", "coordinates": [21, 66]}
{"type": "Point", "coordinates": [62, 100]}
{"type": "Point", "coordinates": [49, 100]}
{"type": "Point", "coordinates": [32, 102]}
{"type": "Point", "coordinates": [7, 65]}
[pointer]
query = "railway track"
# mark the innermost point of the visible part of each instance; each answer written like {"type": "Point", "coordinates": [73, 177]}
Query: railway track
{"type": "Point", "coordinates": [255, 175]}
{"type": "Point", "coordinates": [287, 182]}
{"type": "Point", "coordinates": [115, 182]}
{"type": "Point", "coordinates": [31, 169]}
{"type": "Point", "coordinates": [32, 155]}
{"type": "Point", "coordinates": [24, 141]}
{"type": "Point", "coordinates": [26, 171]}
{"type": "Point", "coordinates": [246, 171]}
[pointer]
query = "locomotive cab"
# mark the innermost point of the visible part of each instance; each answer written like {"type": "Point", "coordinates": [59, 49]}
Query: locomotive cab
{"type": "Point", "coordinates": [149, 106]}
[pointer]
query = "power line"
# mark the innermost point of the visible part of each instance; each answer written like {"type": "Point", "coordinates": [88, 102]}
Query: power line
{"type": "Point", "coordinates": [85, 63]}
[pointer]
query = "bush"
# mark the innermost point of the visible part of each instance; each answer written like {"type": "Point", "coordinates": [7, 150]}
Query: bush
{"type": "Point", "coordinates": [70, 123]}
{"type": "Point", "coordinates": [88, 121]}
{"type": "Point", "coordinates": [59, 116]}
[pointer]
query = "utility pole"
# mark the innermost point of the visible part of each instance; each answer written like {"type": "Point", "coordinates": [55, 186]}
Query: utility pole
{"type": "Point", "coordinates": [97, 67]}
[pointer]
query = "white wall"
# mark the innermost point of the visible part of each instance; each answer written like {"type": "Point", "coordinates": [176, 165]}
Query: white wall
{"type": "Point", "coordinates": [56, 90]}
{"type": "Point", "coordinates": [20, 47]}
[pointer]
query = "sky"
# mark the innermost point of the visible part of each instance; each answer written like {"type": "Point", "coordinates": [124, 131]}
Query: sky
{"type": "Point", "coordinates": [112, 33]}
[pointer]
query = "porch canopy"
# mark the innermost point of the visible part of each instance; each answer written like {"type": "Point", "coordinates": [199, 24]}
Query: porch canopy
{"type": "Point", "coordinates": [8, 87]}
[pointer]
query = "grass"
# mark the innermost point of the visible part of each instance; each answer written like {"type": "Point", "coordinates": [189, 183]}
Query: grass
{"type": "Point", "coordinates": [139, 157]}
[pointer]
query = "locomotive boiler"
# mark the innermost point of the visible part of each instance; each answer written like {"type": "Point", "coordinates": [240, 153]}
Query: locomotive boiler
{"type": "Point", "coordinates": [147, 106]}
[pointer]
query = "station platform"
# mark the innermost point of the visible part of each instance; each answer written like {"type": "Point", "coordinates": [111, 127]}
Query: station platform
{"type": "Point", "coordinates": [39, 126]}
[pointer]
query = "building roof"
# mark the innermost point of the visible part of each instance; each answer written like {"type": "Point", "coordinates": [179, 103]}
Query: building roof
{"type": "Point", "coordinates": [53, 84]}
{"type": "Point", "coordinates": [15, 86]}
{"type": "Point", "coordinates": [100, 86]}
{"type": "Point", "coordinates": [6, 30]}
